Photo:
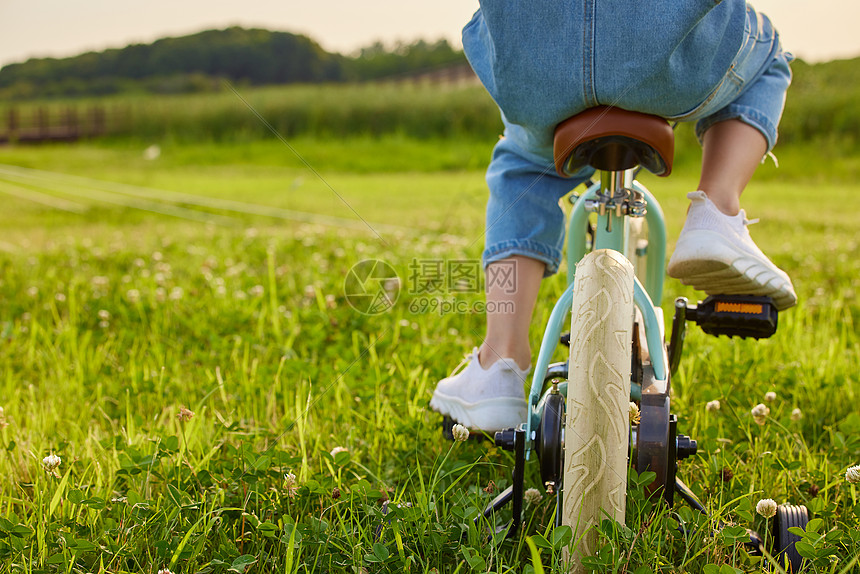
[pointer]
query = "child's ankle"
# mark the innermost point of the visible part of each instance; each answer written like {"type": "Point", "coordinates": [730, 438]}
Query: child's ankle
{"type": "Point", "coordinates": [727, 203]}
{"type": "Point", "coordinates": [489, 355]}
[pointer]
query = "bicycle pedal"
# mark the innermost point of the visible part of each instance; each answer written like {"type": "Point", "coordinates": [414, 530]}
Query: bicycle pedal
{"type": "Point", "coordinates": [736, 316]}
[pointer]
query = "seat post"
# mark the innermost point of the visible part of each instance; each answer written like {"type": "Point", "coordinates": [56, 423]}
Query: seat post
{"type": "Point", "coordinates": [612, 188]}
{"type": "Point", "coordinates": [611, 182]}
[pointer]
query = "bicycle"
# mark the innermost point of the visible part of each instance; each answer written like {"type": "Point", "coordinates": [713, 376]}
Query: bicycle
{"type": "Point", "coordinates": [579, 409]}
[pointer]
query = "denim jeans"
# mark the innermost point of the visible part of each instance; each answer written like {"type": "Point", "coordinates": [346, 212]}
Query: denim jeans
{"type": "Point", "coordinates": [697, 61]}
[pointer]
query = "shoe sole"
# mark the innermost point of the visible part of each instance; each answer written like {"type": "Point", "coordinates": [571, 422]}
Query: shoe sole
{"type": "Point", "coordinates": [726, 270]}
{"type": "Point", "coordinates": [488, 416]}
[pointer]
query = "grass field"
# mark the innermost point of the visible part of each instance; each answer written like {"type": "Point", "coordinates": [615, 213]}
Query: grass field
{"type": "Point", "coordinates": [120, 306]}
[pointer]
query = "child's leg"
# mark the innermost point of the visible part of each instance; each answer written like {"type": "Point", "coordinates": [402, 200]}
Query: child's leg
{"type": "Point", "coordinates": [488, 393]}
{"type": "Point", "coordinates": [715, 252]}
{"type": "Point", "coordinates": [732, 150]}
{"type": "Point", "coordinates": [524, 235]}
{"type": "Point", "coordinates": [509, 311]}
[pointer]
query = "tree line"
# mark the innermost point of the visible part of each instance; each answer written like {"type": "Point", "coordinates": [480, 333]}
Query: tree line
{"type": "Point", "coordinates": [200, 62]}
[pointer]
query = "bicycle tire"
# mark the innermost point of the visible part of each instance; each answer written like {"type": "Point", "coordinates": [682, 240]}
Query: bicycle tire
{"type": "Point", "coordinates": [597, 423]}
{"type": "Point", "coordinates": [788, 515]}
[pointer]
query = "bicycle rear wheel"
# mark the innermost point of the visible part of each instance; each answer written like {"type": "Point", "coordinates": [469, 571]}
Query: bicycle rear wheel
{"type": "Point", "coordinates": [784, 552]}
{"type": "Point", "coordinates": [597, 428]}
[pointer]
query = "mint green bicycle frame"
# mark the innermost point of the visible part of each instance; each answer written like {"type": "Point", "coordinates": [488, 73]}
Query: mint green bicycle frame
{"type": "Point", "coordinates": [610, 233]}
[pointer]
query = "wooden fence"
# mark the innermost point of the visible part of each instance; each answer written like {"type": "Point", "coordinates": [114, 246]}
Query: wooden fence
{"type": "Point", "coordinates": [47, 124]}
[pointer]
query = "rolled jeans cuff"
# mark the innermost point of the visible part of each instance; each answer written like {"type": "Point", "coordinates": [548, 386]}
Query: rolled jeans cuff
{"type": "Point", "coordinates": [527, 248]}
{"type": "Point", "coordinates": [746, 114]}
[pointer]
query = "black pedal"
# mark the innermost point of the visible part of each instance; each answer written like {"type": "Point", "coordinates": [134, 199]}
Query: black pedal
{"type": "Point", "coordinates": [736, 316]}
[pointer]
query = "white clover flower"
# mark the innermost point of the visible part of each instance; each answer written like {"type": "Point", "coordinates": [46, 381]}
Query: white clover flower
{"type": "Point", "coordinates": [712, 406]}
{"type": "Point", "coordinates": [33, 291]}
{"type": "Point", "coordinates": [165, 571]}
{"type": "Point", "coordinates": [51, 462]}
{"type": "Point", "coordinates": [330, 301]}
{"type": "Point", "coordinates": [770, 396]}
{"type": "Point", "coordinates": [133, 295]}
{"type": "Point", "coordinates": [234, 270]}
{"type": "Point", "coordinates": [100, 281]}
{"type": "Point", "coordinates": [184, 414]}
{"type": "Point", "coordinates": [796, 415]}
{"type": "Point", "coordinates": [633, 413]}
{"type": "Point", "coordinates": [310, 292]}
{"type": "Point", "coordinates": [257, 290]}
{"type": "Point", "coordinates": [60, 297]}
{"type": "Point", "coordinates": [290, 486]}
{"type": "Point", "coordinates": [759, 413]}
{"type": "Point", "coordinates": [532, 496]}
{"type": "Point", "coordinates": [176, 293]}
{"type": "Point", "coordinates": [852, 475]}
{"type": "Point", "coordinates": [338, 449]}
{"type": "Point", "coordinates": [152, 153]}
{"type": "Point", "coordinates": [460, 432]}
{"type": "Point", "coordinates": [766, 507]}
{"type": "Point", "coordinates": [104, 315]}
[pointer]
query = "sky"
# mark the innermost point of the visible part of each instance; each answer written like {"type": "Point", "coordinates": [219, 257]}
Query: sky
{"type": "Point", "coordinates": [815, 30]}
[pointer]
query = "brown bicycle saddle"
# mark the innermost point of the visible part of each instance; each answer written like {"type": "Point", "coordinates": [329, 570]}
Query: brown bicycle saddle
{"type": "Point", "coordinates": [612, 139]}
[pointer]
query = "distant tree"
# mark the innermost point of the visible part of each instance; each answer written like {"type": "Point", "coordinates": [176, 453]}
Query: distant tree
{"type": "Point", "coordinates": [251, 56]}
{"type": "Point", "coordinates": [376, 61]}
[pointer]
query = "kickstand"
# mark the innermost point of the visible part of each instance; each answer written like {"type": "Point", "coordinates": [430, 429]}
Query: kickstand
{"type": "Point", "coordinates": [513, 493]}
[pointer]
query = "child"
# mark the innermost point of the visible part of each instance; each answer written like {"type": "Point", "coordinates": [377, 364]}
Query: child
{"type": "Point", "coordinates": [716, 62]}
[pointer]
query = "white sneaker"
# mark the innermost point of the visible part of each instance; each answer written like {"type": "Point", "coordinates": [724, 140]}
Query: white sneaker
{"type": "Point", "coordinates": [489, 399]}
{"type": "Point", "coordinates": [716, 254]}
